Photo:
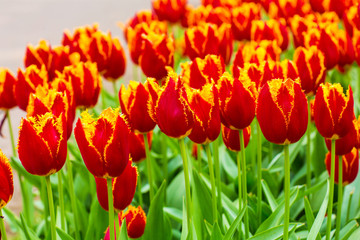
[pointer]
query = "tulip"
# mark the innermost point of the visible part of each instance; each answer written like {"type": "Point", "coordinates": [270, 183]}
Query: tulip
{"type": "Point", "coordinates": [221, 3]}
{"type": "Point", "coordinates": [85, 81]}
{"type": "Point", "coordinates": [135, 222]}
{"type": "Point", "coordinates": [103, 143]}
{"type": "Point", "coordinates": [346, 49]}
{"type": "Point", "coordinates": [169, 10]}
{"type": "Point", "coordinates": [284, 69]}
{"type": "Point", "coordinates": [289, 8]}
{"type": "Point", "coordinates": [202, 71]}
{"type": "Point", "coordinates": [356, 43]}
{"type": "Point", "coordinates": [7, 84]}
{"type": "Point", "coordinates": [142, 16]}
{"type": "Point", "coordinates": [134, 105]}
{"type": "Point", "coordinates": [195, 16]}
{"type": "Point", "coordinates": [242, 18]}
{"type": "Point", "coordinates": [299, 26]}
{"type": "Point", "coordinates": [231, 138]}
{"type": "Point", "coordinates": [311, 69]}
{"type": "Point", "coordinates": [351, 19]}
{"type": "Point", "coordinates": [123, 188]}
{"type": "Point", "coordinates": [137, 146]}
{"type": "Point", "coordinates": [357, 129]}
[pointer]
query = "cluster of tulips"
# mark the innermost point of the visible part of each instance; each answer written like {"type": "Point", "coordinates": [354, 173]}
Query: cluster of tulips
{"type": "Point", "coordinates": [198, 72]}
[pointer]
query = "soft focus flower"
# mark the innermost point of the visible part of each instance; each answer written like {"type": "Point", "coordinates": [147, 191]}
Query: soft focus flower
{"type": "Point", "coordinates": [7, 85]}
{"type": "Point", "coordinates": [346, 49]}
{"type": "Point", "coordinates": [232, 138]}
{"type": "Point", "coordinates": [289, 8]}
{"type": "Point", "coordinates": [6, 181]}
{"type": "Point", "coordinates": [123, 188]}
{"type": "Point", "coordinates": [356, 42]}
{"type": "Point", "coordinates": [282, 111]}
{"type": "Point", "coordinates": [135, 222]}
{"type": "Point", "coordinates": [103, 143]}
{"type": "Point", "coordinates": [333, 111]}
{"type": "Point", "coordinates": [86, 83]}
{"type": "Point", "coordinates": [242, 18]}
{"type": "Point", "coordinates": [137, 146]}
{"type": "Point", "coordinates": [221, 3]}
{"type": "Point", "coordinates": [350, 166]}
{"type": "Point", "coordinates": [202, 71]}
{"type": "Point", "coordinates": [134, 105]}
{"type": "Point", "coordinates": [284, 69]}
{"type": "Point", "coordinates": [352, 19]}
{"type": "Point", "coordinates": [157, 53]}
{"type": "Point", "coordinates": [142, 16]}
{"type": "Point", "coordinates": [42, 144]}
{"type": "Point", "coordinates": [202, 14]}
{"type": "Point", "coordinates": [237, 101]}
{"type": "Point", "coordinates": [300, 25]}
{"type": "Point", "coordinates": [170, 10]}
{"type": "Point", "coordinates": [27, 82]}
{"type": "Point", "coordinates": [170, 108]}
{"type": "Point", "coordinates": [205, 104]}
{"type": "Point", "coordinates": [311, 69]}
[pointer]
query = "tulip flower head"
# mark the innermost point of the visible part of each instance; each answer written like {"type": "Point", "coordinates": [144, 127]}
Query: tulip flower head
{"type": "Point", "coordinates": [103, 143]}
{"type": "Point", "coordinates": [6, 181]}
{"type": "Point", "coordinates": [137, 146]}
{"type": "Point", "coordinates": [352, 19]}
{"type": "Point", "coordinates": [170, 10]}
{"type": "Point", "coordinates": [232, 140]}
{"type": "Point", "coordinates": [47, 134]}
{"type": "Point", "coordinates": [7, 85]}
{"type": "Point", "coordinates": [333, 110]}
{"type": "Point", "coordinates": [242, 18]}
{"type": "Point", "coordinates": [282, 111]}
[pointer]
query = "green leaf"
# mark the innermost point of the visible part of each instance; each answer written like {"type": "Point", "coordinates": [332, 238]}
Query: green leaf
{"type": "Point", "coordinates": [157, 226]}
{"type": "Point", "coordinates": [319, 217]}
{"type": "Point", "coordinates": [234, 225]}
{"type": "Point", "coordinates": [203, 196]}
{"type": "Point", "coordinates": [98, 221]}
{"type": "Point", "coordinates": [273, 233]}
{"type": "Point", "coordinates": [174, 213]}
{"type": "Point", "coordinates": [29, 234]}
{"type": "Point", "coordinates": [34, 180]}
{"type": "Point", "coordinates": [348, 229]}
{"type": "Point", "coordinates": [269, 196]}
{"type": "Point", "coordinates": [309, 216]}
{"type": "Point", "coordinates": [123, 231]}
{"type": "Point", "coordinates": [355, 235]}
{"type": "Point", "coordinates": [63, 235]}
{"type": "Point", "coordinates": [216, 233]}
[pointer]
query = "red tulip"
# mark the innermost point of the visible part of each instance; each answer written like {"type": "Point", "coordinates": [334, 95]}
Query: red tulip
{"type": "Point", "coordinates": [242, 18]}
{"type": "Point", "coordinates": [7, 85]}
{"type": "Point", "coordinates": [170, 10]}
{"type": "Point", "coordinates": [6, 181]}
{"type": "Point", "coordinates": [137, 146]}
{"type": "Point", "coordinates": [232, 138]}
{"type": "Point", "coordinates": [351, 19]}
{"type": "Point", "coordinates": [142, 16]}
{"type": "Point", "coordinates": [345, 145]}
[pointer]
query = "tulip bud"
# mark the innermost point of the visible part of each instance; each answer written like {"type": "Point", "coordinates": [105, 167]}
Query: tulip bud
{"type": "Point", "coordinates": [7, 85]}
{"type": "Point", "coordinates": [232, 138]}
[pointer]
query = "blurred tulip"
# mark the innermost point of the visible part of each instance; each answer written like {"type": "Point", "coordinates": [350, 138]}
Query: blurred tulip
{"type": "Point", "coordinates": [352, 19]}
{"type": "Point", "coordinates": [237, 101]}
{"type": "Point", "coordinates": [345, 144]}
{"type": "Point", "coordinates": [202, 71]}
{"type": "Point", "coordinates": [205, 104]}
{"type": "Point", "coordinates": [47, 134]}
{"type": "Point", "coordinates": [123, 188]}
{"type": "Point", "coordinates": [157, 53]}
{"type": "Point", "coordinates": [311, 69]}
{"type": "Point", "coordinates": [284, 69]}
{"type": "Point", "coordinates": [7, 85]}
{"type": "Point", "coordinates": [103, 143]}
{"type": "Point", "coordinates": [299, 26]}
{"type": "Point", "coordinates": [333, 111]}
{"type": "Point", "coordinates": [232, 140]}
{"type": "Point", "coordinates": [346, 49]}
{"type": "Point", "coordinates": [142, 16]}
{"type": "Point", "coordinates": [170, 10]}
{"type": "Point", "coordinates": [170, 108]}
{"type": "Point", "coordinates": [134, 105]}
{"type": "Point", "coordinates": [86, 83]}
{"type": "Point", "coordinates": [350, 166]}
{"type": "Point", "coordinates": [137, 146]}
{"type": "Point", "coordinates": [221, 3]}
{"type": "Point", "coordinates": [27, 82]}
{"type": "Point", "coordinates": [357, 129]}
{"type": "Point", "coordinates": [356, 44]}
{"type": "Point", "coordinates": [270, 30]}
{"type": "Point", "coordinates": [282, 111]}
{"type": "Point", "coordinates": [6, 180]}
{"type": "Point", "coordinates": [242, 18]}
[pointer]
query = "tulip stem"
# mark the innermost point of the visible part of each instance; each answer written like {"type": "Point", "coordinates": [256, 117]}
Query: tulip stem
{"type": "Point", "coordinates": [11, 133]}
{"type": "Point", "coordinates": [199, 157]}
{"type": "Point", "coordinates": [286, 191]}
{"type": "Point", "coordinates": [61, 200]}
{"type": "Point", "coordinates": [271, 149]}
{"type": "Point", "coordinates": [116, 93]}
{"type": "Point", "coordinates": [165, 160]}
{"type": "Point", "coordinates": [51, 207]}
{"type": "Point", "coordinates": [2, 226]}
{"type": "Point", "coordinates": [331, 193]}
{"type": "Point", "coordinates": [117, 225]}
{"type": "Point", "coordinates": [148, 164]}
{"type": "Point", "coordinates": [308, 149]}
{"type": "Point", "coordinates": [217, 174]}
{"type": "Point", "coordinates": [110, 208]}
{"type": "Point", "coordinates": [187, 184]}
{"type": "Point", "coordinates": [139, 186]}
{"type": "Point", "coordinates": [340, 199]}
{"type": "Point", "coordinates": [212, 180]}
{"type": "Point", "coordinates": [244, 182]}
{"type": "Point", "coordinates": [259, 162]}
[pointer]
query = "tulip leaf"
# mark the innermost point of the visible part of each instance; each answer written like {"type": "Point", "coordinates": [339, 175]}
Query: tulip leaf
{"type": "Point", "coordinates": [157, 226]}
{"type": "Point", "coordinates": [348, 229]}
{"type": "Point", "coordinates": [274, 232]}
{"type": "Point", "coordinates": [309, 216]}
{"type": "Point", "coordinates": [63, 235]}
{"type": "Point", "coordinates": [34, 180]}
{"type": "Point", "coordinates": [216, 232]}
{"type": "Point", "coordinates": [174, 214]}
{"type": "Point", "coordinates": [315, 229]}
{"type": "Point", "coordinates": [269, 196]}
{"type": "Point", "coordinates": [29, 234]}
{"type": "Point", "coordinates": [234, 225]}
{"type": "Point", "coordinates": [98, 221]}
{"type": "Point", "coordinates": [123, 235]}
{"type": "Point", "coordinates": [318, 150]}
{"type": "Point", "coordinates": [203, 196]}
{"type": "Point", "coordinates": [355, 235]}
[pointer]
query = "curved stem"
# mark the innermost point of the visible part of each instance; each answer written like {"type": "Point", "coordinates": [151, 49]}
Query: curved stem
{"type": "Point", "coordinates": [259, 162]}
{"type": "Point", "coordinates": [286, 191]}
{"type": "Point", "coordinates": [244, 182]}
{"type": "Point", "coordinates": [111, 208]}
{"type": "Point", "coordinates": [139, 186]}
{"type": "Point", "coordinates": [72, 197]}
{"type": "Point", "coordinates": [187, 184]}
{"type": "Point", "coordinates": [217, 174]}
{"type": "Point", "coordinates": [331, 193]}
{"type": "Point", "coordinates": [148, 165]}
{"type": "Point", "coordinates": [199, 157]}
{"type": "Point", "coordinates": [61, 200]}
{"type": "Point", "coordinates": [340, 198]}
{"type": "Point", "coordinates": [212, 180]}
{"type": "Point", "coordinates": [51, 207]}
{"type": "Point", "coordinates": [2, 226]}
{"type": "Point", "coordinates": [308, 150]}
{"type": "Point", "coordinates": [11, 133]}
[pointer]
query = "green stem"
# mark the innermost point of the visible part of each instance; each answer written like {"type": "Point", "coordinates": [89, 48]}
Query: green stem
{"type": "Point", "coordinates": [308, 150]}
{"type": "Point", "coordinates": [73, 197]}
{"type": "Point", "coordinates": [116, 93]}
{"type": "Point", "coordinates": [11, 133]}
{"type": "Point", "coordinates": [199, 157]}
{"type": "Point", "coordinates": [61, 200]}
{"type": "Point", "coordinates": [212, 180]}
{"type": "Point", "coordinates": [111, 208]}
{"type": "Point", "coordinates": [259, 162]}
{"type": "Point", "coordinates": [244, 182]}
{"type": "Point", "coordinates": [286, 191]}
{"type": "Point", "coordinates": [117, 226]}
{"type": "Point", "coordinates": [139, 186]}
{"type": "Point", "coordinates": [217, 174]}
{"type": "Point", "coordinates": [103, 103]}
{"type": "Point", "coordinates": [271, 149]}
{"type": "Point", "coordinates": [238, 159]}
{"type": "Point", "coordinates": [43, 196]}
{"type": "Point", "coordinates": [340, 199]}
{"type": "Point", "coordinates": [331, 193]}
{"type": "Point", "coordinates": [187, 184]}
{"type": "Point", "coordinates": [51, 207]}
{"type": "Point", "coordinates": [2, 226]}
{"type": "Point", "coordinates": [148, 164]}
{"type": "Point", "coordinates": [165, 159]}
